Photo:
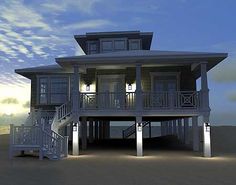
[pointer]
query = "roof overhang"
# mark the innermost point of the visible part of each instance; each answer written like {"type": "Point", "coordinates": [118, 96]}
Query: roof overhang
{"type": "Point", "coordinates": [158, 59]}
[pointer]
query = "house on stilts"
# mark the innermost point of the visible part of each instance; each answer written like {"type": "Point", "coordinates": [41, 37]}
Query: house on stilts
{"type": "Point", "coordinates": [118, 79]}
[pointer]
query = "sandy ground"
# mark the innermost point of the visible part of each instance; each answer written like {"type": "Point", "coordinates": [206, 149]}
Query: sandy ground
{"type": "Point", "coordinates": [121, 167]}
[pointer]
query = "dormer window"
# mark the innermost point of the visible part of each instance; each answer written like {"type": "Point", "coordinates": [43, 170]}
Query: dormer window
{"type": "Point", "coordinates": [134, 44]}
{"type": "Point", "coordinates": [92, 47]}
{"type": "Point", "coordinates": [115, 44]}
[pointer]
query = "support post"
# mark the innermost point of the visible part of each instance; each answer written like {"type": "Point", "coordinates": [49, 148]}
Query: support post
{"type": "Point", "coordinates": [186, 131]}
{"type": "Point", "coordinates": [139, 97]}
{"type": "Point", "coordinates": [195, 131]}
{"type": "Point", "coordinates": [90, 130]}
{"type": "Point", "coordinates": [206, 136]}
{"type": "Point", "coordinates": [204, 88]}
{"type": "Point", "coordinates": [139, 136]}
{"type": "Point", "coordinates": [180, 132]}
{"type": "Point", "coordinates": [150, 129]}
{"type": "Point", "coordinates": [84, 133]}
{"type": "Point", "coordinates": [96, 130]}
{"type": "Point", "coordinates": [75, 108]}
{"type": "Point", "coordinates": [162, 128]}
{"type": "Point", "coordinates": [174, 127]}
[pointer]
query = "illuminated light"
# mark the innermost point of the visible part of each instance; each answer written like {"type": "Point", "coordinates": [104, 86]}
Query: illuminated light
{"type": "Point", "coordinates": [87, 87]}
{"type": "Point", "coordinates": [207, 139]}
{"type": "Point", "coordinates": [131, 87]}
{"type": "Point", "coordinates": [139, 139]}
{"type": "Point", "coordinates": [75, 138]}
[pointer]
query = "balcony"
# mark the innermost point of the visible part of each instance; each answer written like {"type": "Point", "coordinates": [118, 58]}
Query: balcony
{"type": "Point", "coordinates": [150, 100]}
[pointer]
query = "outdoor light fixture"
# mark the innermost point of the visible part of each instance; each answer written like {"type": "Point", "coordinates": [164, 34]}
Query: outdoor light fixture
{"type": "Point", "coordinates": [88, 87]}
{"type": "Point", "coordinates": [74, 126]}
{"type": "Point", "coordinates": [207, 126]}
{"type": "Point", "coordinates": [139, 127]}
{"type": "Point", "coordinates": [129, 86]}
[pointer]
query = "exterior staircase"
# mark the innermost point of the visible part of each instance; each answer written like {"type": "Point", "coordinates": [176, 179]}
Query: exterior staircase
{"type": "Point", "coordinates": [131, 130]}
{"type": "Point", "coordinates": [41, 133]}
{"type": "Point", "coordinates": [30, 138]}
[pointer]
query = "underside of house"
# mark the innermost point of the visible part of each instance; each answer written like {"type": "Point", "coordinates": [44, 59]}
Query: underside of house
{"type": "Point", "coordinates": [118, 79]}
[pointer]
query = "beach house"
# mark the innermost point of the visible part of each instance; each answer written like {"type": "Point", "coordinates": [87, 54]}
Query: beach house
{"type": "Point", "coordinates": [118, 79]}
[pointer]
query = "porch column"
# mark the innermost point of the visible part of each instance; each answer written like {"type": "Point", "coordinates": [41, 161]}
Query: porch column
{"type": "Point", "coordinates": [206, 136]}
{"type": "Point", "coordinates": [96, 130]}
{"type": "Point", "coordinates": [186, 131]}
{"type": "Point", "coordinates": [139, 136]}
{"type": "Point", "coordinates": [195, 132]}
{"type": "Point", "coordinates": [174, 127]}
{"type": "Point", "coordinates": [204, 88]}
{"type": "Point", "coordinates": [206, 111]}
{"type": "Point", "coordinates": [100, 129]}
{"type": "Point", "coordinates": [84, 133]}
{"type": "Point", "coordinates": [90, 130]}
{"type": "Point", "coordinates": [107, 129]}
{"type": "Point", "coordinates": [169, 127]}
{"type": "Point", "coordinates": [139, 97]}
{"type": "Point", "coordinates": [180, 133]}
{"type": "Point", "coordinates": [75, 109]}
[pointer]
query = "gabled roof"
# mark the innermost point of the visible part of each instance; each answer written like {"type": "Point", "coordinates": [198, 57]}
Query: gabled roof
{"type": "Point", "coordinates": [145, 36]}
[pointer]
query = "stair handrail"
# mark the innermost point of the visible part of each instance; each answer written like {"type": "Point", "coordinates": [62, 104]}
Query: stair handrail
{"type": "Point", "coordinates": [131, 130]}
{"type": "Point", "coordinates": [64, 110]}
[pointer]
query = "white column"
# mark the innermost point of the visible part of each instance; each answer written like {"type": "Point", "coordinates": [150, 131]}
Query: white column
{"type": "Point", "coordinates": [206, 136]}
{"type": "Point", "coordinates": [174, 127]}
{"type": "Point", "coordinates": [204, 88]}
{"type": "Point", "coordinates": [75, 139]}
{"type": "Point", "coordinates": [90, 130]}
{"type": "Point", "coordinates": [84, 133]}
{"type": "Point", "coordinates": [180, 132]}
{"type": "Point", "coordinates": [195, 131]}
{"type": "Point", "coordinates": [186, 131]}
{"type": "Point", "coordinates": [139, 136]}
{"type": "Point", "coordinates": [139, 97]}
{"type": "Point", "coordinates": [75, 108]}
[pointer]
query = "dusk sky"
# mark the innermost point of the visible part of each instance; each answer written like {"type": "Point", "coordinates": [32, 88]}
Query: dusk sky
{"type": "Point", "coordinates": [33, 33]}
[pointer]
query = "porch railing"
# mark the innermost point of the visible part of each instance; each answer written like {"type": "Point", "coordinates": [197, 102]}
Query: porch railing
{"type": "Point", "coordinates": [151, 100]}
{"type": "Point", "coordinates": [107, 100]}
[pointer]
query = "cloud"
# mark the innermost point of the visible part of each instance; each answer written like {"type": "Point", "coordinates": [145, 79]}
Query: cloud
{"type": "Point", "coordinates": [84, 6]}
{"type": "Point", "coordinates": [26, 104]}
{"type": "Point", "coordinates": [232, 97]}
{"type": "Point", "coordinates": [18, 14]}
{"type": "Point", "coordinates": [225, 72]}
{"type": "Point", "coordinates": [89, 24]}
{"type": "Point", "coordinates": [10, 101]}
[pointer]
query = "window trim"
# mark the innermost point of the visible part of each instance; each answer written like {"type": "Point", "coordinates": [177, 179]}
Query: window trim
{"type": "Point", "coordinates": [132, 40]}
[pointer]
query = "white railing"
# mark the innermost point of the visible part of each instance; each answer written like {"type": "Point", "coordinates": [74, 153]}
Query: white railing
{"type": "Point", "coordinates": [172, 100]}
{"type": "Point", "coordinates": [107, 100]}
{"type": "Point", "coordinates": [49, 143]}
{"type": "Point", "coordinates": [64, 110]}
{"type": "Point", "coordinates": [151, 100]}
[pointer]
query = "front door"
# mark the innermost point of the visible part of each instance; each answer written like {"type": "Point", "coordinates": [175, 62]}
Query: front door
{"type": "Point", "coordinates": [163, 90]}
{"type": "Point", "coordinates": [111, 90]}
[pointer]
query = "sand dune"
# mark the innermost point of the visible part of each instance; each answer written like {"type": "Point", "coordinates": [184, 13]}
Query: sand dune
{"type": "Point", "coordinates": [121, 167]}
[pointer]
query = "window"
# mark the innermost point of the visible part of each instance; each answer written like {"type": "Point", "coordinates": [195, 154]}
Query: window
{"type": "Point", "coordinates": [92, 47]}
{"type": "Point", "coordinates": [115, 44]}
{"type": "Point", "coordinates": [107, 46]}
{"type": "Point", "coordinates": [53, 90]}
{"type": "Point", "coordinates": [134, 44]}
{"type": "Point", "coordinates": [119, 45]}
{"type": "Point", "coordinates": [43, 91]}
